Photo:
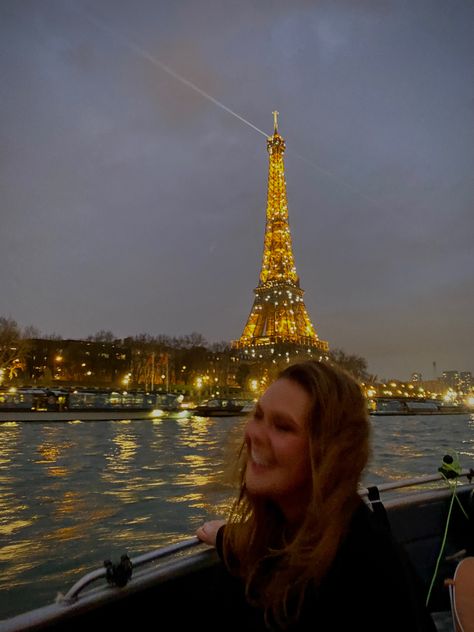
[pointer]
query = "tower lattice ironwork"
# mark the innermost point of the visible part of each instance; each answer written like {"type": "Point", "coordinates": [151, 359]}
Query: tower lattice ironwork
{"type": "Point", "coordinates": [278, 322]}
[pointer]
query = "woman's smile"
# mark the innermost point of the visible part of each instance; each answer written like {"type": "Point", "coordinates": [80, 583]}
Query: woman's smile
{"type": "Point", "coordinates": [259, 460]}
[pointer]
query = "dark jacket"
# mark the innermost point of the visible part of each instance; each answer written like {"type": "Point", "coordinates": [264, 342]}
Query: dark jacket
{"type": "Point", "coordinates": [371, 586]}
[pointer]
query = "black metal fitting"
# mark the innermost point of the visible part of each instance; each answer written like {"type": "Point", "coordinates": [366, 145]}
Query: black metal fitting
{"type": "Point", "coordinates": [119, 574]}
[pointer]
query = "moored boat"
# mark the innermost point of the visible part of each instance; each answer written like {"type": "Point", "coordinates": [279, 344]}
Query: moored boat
{"type": "Point", "coordinates": [179, 583]}
{"type": "Point", "coordinates": [400, 406]}
{"type": "Point", "coordinates": [87, 405]}
{"type": "Point", "coordinates": [218, 407]}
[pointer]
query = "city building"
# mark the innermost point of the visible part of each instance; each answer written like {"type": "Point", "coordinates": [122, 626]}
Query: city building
{"type": "Point", "coordinates": [451, 379]}
{"type": "Point", "coordinates": [466, 383]}
{"type": "Point", "coordinates": [81, 362]}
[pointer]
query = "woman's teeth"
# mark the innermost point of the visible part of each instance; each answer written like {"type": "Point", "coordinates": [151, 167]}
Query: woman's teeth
{"type": "Point", "coordinates": [259, 460]}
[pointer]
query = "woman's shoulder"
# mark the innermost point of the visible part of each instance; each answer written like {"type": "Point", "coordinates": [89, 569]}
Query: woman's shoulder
{"type": "Point", "coordinates": [370, 527]}
{"type": "Point", "coordinates": [371, 568]}
{"type": "Point", "coordinates": [366, 540]}
{"type": "Point", "coordinates": [369, 555]}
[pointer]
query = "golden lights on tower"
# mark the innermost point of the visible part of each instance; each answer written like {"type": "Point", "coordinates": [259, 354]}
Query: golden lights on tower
{"type": "Point", "coordinates": [278, 314]}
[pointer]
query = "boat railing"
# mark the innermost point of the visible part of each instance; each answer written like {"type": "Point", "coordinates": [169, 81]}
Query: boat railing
{"type": "Point", "coordinates": [72, 595]}
{"type": "Point", "coordinates": [419, 480]}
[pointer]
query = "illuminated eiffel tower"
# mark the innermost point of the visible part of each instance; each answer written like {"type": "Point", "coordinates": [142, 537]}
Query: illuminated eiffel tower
{"type": "Point", "coordinates": [278, 324]}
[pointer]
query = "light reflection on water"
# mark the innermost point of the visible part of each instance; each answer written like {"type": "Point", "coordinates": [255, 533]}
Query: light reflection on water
{"type": "Point", "coordinates": [415, 445]}
{"type": "Point", "coordinates": [73, 494]}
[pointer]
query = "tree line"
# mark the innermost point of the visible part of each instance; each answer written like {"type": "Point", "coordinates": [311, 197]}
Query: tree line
{"type": "Point", "coordinates": [154, 360]}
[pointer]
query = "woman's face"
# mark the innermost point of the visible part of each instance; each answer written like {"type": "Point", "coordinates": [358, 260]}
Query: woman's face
{"type": "Point", "coordinates": [278, 465]}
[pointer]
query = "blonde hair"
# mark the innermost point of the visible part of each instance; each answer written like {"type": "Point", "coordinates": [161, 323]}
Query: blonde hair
{"type": "Point", "coordinates": [277, 566]}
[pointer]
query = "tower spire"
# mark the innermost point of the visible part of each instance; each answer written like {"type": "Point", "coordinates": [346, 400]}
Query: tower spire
{"type": "Point", "coordinates": [278, 320]}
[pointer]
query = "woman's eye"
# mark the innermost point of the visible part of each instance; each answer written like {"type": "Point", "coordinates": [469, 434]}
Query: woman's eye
{"type": "Point", "coordinates": [283, 427]}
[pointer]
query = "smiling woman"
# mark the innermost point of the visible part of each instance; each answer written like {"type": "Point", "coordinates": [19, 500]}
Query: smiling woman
{"type": "Point", "coordinates": [278, 465]}
{"type": "Point", "coordinates": [301, 549]}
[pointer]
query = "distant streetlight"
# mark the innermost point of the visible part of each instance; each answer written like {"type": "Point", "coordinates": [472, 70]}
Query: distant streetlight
{"type": "Point", "coordinates": [57, 369]}
{"type": "Point", "coordinates": [126, 379]}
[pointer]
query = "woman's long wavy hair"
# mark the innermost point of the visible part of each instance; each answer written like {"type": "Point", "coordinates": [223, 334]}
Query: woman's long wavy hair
{"type": "Point", "coordinates": [278, 566]}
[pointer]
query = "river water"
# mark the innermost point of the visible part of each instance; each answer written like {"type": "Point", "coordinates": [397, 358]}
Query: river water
{"type": "Point", "coordinates": [74, 494]}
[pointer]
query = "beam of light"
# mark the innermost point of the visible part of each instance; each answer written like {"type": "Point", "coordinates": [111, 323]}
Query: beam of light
{"type": "Point", "coordinates": [193, 86]}
{"type": "Point", "coordinates": [128, 43]}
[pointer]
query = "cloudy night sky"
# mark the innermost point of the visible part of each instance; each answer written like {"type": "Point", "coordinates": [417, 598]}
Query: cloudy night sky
{"type": "Point", "coordinates": [133, 168]}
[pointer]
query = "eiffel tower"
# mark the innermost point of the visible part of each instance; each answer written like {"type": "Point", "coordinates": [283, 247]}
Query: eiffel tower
{"type": "Point", "coordinates": [278, 325]}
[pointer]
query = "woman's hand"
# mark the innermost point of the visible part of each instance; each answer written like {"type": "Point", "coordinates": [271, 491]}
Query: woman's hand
{"type": "Point", "coordinates": [208, 532]}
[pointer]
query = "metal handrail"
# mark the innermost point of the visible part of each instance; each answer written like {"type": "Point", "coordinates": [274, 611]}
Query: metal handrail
{"type": "Point", "coordinates": [91, 577]}
{"type": "Point", "coordinates": [420, 480]}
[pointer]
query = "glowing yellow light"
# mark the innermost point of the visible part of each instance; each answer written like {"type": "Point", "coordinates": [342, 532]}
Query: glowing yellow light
{"type": "Point", "coordinates": [270, 316]}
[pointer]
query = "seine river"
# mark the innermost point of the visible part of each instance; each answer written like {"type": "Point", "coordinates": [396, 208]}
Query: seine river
{"type": "Point", "coordinates": [74, 494]}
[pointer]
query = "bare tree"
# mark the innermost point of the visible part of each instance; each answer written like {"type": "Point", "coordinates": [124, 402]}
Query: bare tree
{"type": "Point", "coordinates": [13, 349]}
{"type": "Point", "coordinates": [102, 336]}
{"type": "Point", "coordinates": [354, 364]}
{"type": "Point", "coordinates": [220, 347]}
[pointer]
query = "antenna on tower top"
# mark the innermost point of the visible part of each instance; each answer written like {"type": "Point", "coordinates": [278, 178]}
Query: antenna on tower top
{"type": "Point", "coordinates": [275, 122]}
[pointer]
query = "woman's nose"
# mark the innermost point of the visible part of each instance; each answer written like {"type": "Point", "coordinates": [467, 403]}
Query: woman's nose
{"type": "Point", "coordinates": [255, 431]}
